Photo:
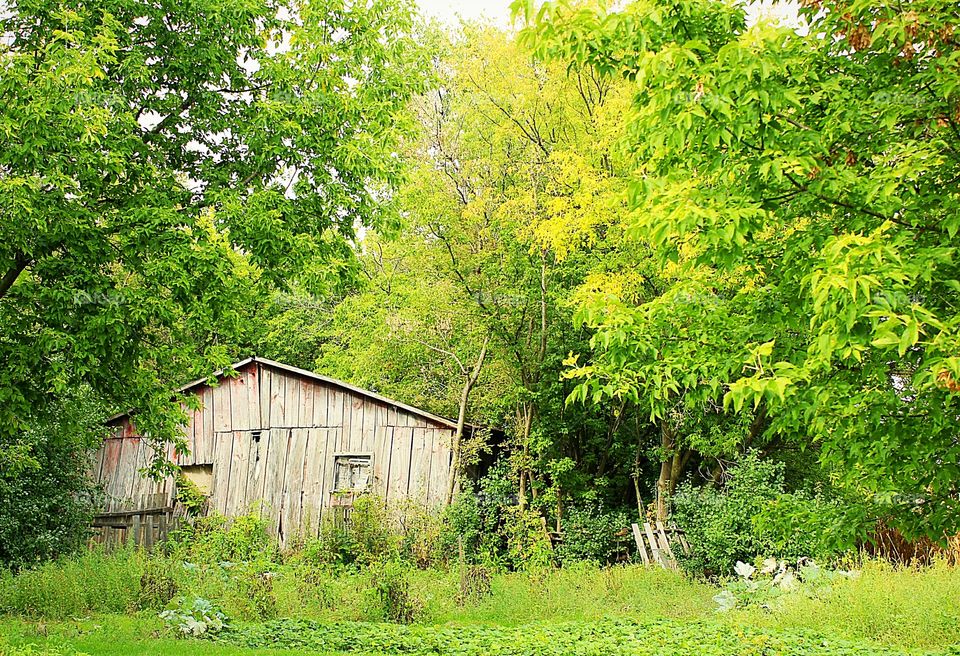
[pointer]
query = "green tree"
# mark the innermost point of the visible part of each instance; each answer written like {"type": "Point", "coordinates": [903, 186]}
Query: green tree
{"type": "Point", "coordinates": [157, 161]}
{"type": "Point", "coordinates": [819, 167]}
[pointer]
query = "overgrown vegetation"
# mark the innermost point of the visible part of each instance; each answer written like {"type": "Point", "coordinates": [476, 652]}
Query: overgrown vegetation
{"type": "Point", "coordinates": [694, 266]}
{"type": "Point", "coordinates": [228, 574]}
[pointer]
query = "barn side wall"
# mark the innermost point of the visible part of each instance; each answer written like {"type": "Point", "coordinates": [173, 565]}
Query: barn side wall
{"type": "Point", "coordinates": [271, 437]}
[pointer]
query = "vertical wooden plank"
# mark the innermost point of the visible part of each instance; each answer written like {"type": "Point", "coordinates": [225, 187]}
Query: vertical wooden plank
{"type": "Point", "coordinates": [638, 538]}
{"type": "Point", "coordinates": [335, 415]}
{"type": "Point", "coordinates": [311, 499]}
{"type": "Point", "coordinates": [399, 482]}
{"type": "Point", "coordinates": [293, 484]}
{"type": "Point", "coordinates": [223, 459]}
{"type": "Point", "coordinates": [381, 418]}
{"type": "Point", "coordinates": [265, 378]}
{"type": "Point", "coordinates": [440, 465]}
{"type": "Point", "coordinates": [256, 469]}
{"type": "Point", "coordinates": [148, 537]}
{"type": "Point", "coordinates": [665, 544]}
{"type": "Point", "coordinates": [209, 441]}
{"type": "Point", "coordinates": [291, 401]}
{"type": "Point", "coordinates": [128, 471]}
{"type": "Point", "coordinates": [253, 396]}
{"type": "Point", "coordinates": [334, 437]}
{"type": "Point", "coordinates": [320, 404]}
{"type": "Point", "coordinates": [347, 435]}
{"type": "Point", "coordinates": [381, 456]}
{"type": "Point", "coordinates": [162, 528]}
{"type": "Point", "coordinates": [221, 407]}
{"type": "Point", "coordinates": [419, 487]}
{"type": "Point", "coordinates": [307, 401]}
{"type": "Point", "coordinates": [194, 418]}
{"type": "Point", "coordinates": [369, 422]}
{"type": "Point", "coordinates": [277, 399]}
{"type": "Point", "coordinates": [116, 484]}
{"type": "Point", "coordinates": [239, 402]}
{"type": "Point", "coordinates": [237, 503]}
{"type": "Point", "coordinates": [387, 458]}
{"type": "Point", "coordinates": [135, 531]}
{"type": "Point", "coordinates": [273, 481]}
{"type": "Point", "coordinates": [657, 556]}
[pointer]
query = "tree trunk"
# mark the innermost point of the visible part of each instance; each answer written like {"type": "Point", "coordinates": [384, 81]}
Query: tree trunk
{"type": "Point", "coordinates": [468, 383]}
{"type": "Point", "coordinates": [665, 481]}
{"type": "Point", "coordinates": [672, 465]}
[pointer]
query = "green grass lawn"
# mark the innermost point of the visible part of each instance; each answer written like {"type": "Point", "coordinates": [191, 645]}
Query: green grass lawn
{"type": "Point", "coordinates": [95, 605]}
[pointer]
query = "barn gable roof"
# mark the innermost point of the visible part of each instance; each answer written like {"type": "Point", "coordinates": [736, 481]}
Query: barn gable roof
{"type": "Point", "coordinates": [310, 375]}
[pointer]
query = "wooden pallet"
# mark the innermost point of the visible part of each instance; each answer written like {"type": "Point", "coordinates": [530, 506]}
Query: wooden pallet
{"type": "Point", "coordinates": [656, 542]}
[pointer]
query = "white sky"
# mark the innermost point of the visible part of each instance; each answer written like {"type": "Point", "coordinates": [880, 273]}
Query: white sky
{"type": "Point", "coordinates": [450, 11]}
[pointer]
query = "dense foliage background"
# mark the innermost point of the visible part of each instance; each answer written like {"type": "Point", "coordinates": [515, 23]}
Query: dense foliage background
{"type": "Point", "coordinates": [695, 266]}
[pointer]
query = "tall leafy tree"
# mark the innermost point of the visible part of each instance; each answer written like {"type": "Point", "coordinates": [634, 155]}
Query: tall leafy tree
{"type": "Point", "coordinates": [819, 167]}
{"type": "Point", "coordinates": [158, 159]}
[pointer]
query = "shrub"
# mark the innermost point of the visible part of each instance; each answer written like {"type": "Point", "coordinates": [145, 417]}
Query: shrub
{"type": "Point", "coordinates": [371, 537]}
{"type": "Point", "coordinates": [216, 539]}
{"type": "Point", "coordinates": [259, 590]}
{"type": "Point", "coordinates": [528, 545]}
{"type": "Point", "coordinates": [475, 583]}
{"type": "Point", "coordinates": [765, 586]}
{"type": "Point", "coordinates": [158, 585]}
{"type": "Point", "coordinates": [462, 524]}
{"type": "Point", "coordinates": [47, 498]}
{"type": "Point", "coordinates": [424, 540]}
{"type": "Point", "coordinates": [722, 527]}
{"type": "Point", "coordinates": [590, 533]}
{"type": "Point", "coordinates": [393, 600]}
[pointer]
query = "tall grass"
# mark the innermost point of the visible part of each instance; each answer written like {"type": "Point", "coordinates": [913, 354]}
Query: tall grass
{"type": "Point", "coordinates": [92, 582]}
{"type": "Point", "coordinates": [900, 606]}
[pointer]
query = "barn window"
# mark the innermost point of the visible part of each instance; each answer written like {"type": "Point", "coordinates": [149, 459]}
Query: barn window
{"type": "Point", "coordinates": [351, 473]}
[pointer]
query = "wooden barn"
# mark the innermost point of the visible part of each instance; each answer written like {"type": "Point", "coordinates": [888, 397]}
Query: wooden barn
{"type": "Point", "coordinates": [285, 442]}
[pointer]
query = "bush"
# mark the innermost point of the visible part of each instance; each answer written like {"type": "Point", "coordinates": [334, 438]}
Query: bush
{"type": "Point", "coordinates": [158, 585]}
{"type": "Point", "coordinates": [217, 539]}
{"type": "Point", "coordinates": [528, 545]}
{"type": "Point", "coordinates": [367, 537]}
{"type": "Point", "coordinates": [47, 498]}
{"type": "Point", "coordinates": [722, 527]}
{"type": "Point", "coordinates": [393, 600]}
{"type": "Point", "coordinates": [590, 533]}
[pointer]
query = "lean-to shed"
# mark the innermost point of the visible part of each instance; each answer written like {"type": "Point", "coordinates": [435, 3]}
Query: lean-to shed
{"type": "Point", "coordinates": [282, 441]}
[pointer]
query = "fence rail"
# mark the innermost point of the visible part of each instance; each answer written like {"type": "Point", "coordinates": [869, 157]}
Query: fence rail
{"type": "Point", "coordinates": [142, 528]}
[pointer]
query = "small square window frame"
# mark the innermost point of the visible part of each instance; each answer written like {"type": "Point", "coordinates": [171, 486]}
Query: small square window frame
{"type": "Point", "coordinates": [368, 456]}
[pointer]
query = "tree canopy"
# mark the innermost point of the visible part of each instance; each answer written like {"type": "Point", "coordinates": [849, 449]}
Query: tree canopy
{"type": "Point", "coordinates": [808, 177]}
{"type": "Point", "coordinates": [159, 163]}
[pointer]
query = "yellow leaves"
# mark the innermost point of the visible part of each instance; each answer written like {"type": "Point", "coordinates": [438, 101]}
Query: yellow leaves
{"type": "Point", "coordinates": [576, 202]}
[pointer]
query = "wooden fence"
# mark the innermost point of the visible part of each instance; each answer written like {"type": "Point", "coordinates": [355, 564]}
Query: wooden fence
{"type": "Point", "coordinates": [143, 528]}
{"type": "Point", "coordinates": [657, 543]}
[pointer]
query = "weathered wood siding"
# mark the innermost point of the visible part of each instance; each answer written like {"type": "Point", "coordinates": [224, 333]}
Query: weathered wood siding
{"type": "Point", "coordinates": [271, 437]}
